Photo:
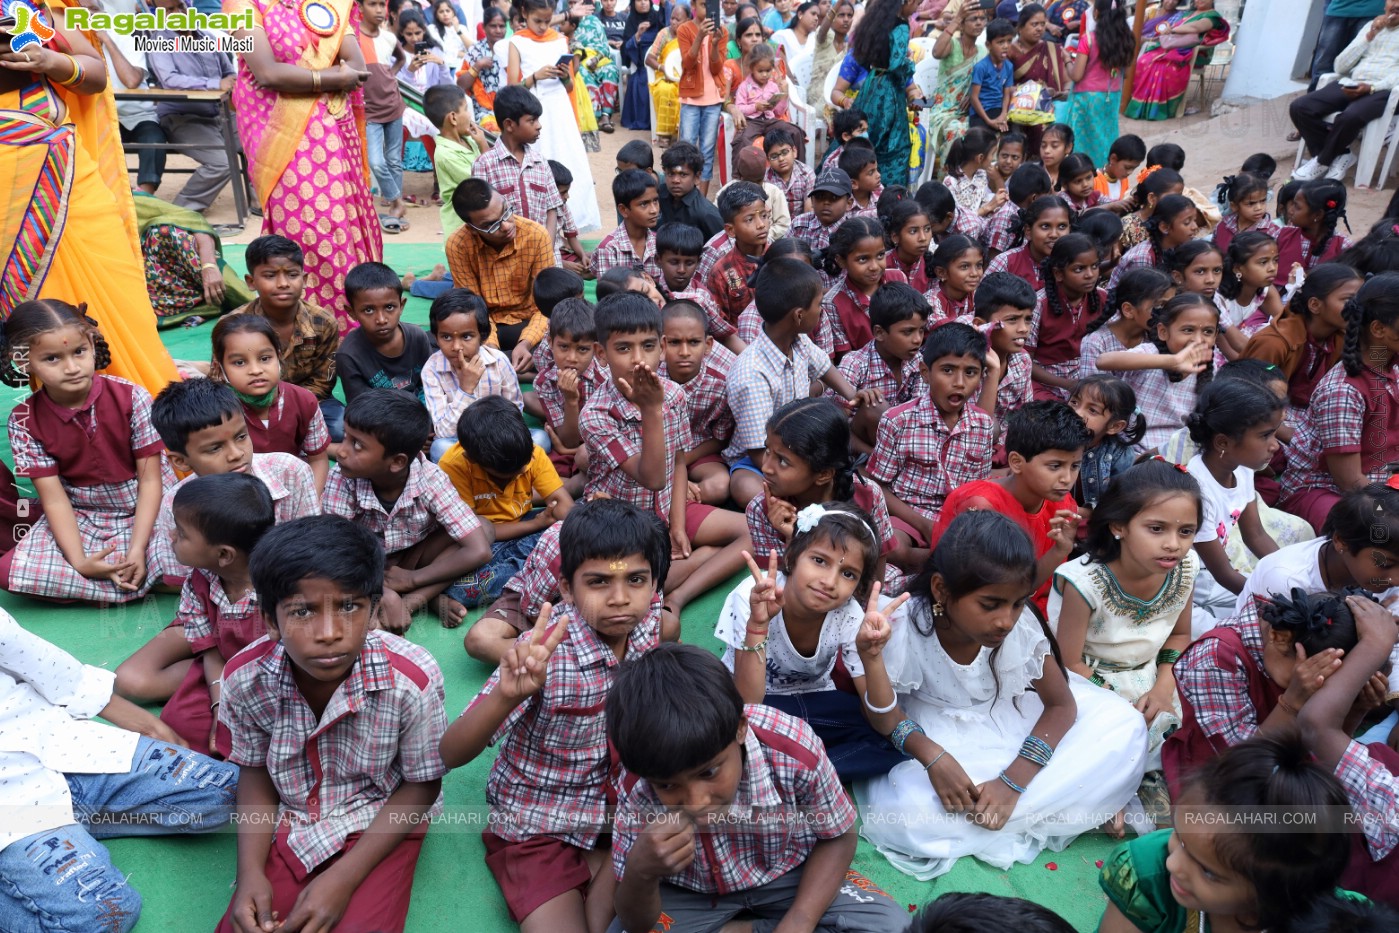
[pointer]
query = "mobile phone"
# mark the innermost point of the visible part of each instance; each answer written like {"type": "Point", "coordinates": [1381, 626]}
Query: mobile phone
{"type": "Point", "coordinates": [421, 48]}
{"type": "Point", "coordinates": [1348, 82]}
{"type": "Point", "coordinates": [564, 61]}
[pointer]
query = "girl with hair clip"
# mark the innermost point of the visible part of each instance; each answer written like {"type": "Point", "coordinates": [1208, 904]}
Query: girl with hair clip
{"type": "Point", "coordinates": [1173, 223]}
{"type": "Point", "coordinates": [807, 461]}
{"type": "Point", "coordinates": [1306, 341]}
{"type": "Point", "coordinates": [855, 260]}
{"type": "Point", "coordinates": [1310, 237]}
{"type": "Point", "coordinates": [956, 269]}
{"type": "Point", "coordinates": [86, 442]}
{"type": "Point", "coordinates": [1203, 876]}
{"type": "Point", "coordinates": [908, 231]}
{"type": "Point", "coordinates": [1170, 366]}
{"type": "Point", "coordinates": [1377, 251]}
{"type": "Point", "coordinates": [983, 705]}
{"type": "Point", "coordinates": [1234, 427]}
{"type": "Point", "coordinates": [1069, 301]}
{"type": "Point", "coordinates": [1076, 175]}
{"type": "Point", "coordinates": [1126, 314]}
{"type": "Point", "coordinates": [1041, 225]}
{"type": "Point", "coordinates": [1243, 201]}
{"type": "Point", "coordinates": [1150, 190]}
{"type": "Point", "coordinates": [1350, 435]}
{"type": "Point", "coordinates": [1105, 51]}
{"type": "Point", "coordinates": [1247, 298]}
{"type": "Point", "coordinates": [1105, 229]}
{"type": "Point", "coordinates": [800, 616]}
{"type": "Point", "coordinates": [967, 160]}
{"type": "Point", "coordinates": [750, 323]}
{"type": "Point", "coordinates": [1109, 407]}
{"type": "Point", "coordinates": [1121, 612]}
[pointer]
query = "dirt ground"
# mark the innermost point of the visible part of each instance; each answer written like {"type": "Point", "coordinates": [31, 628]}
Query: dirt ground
{"type": "Point", "coordinates": [1215, 147]}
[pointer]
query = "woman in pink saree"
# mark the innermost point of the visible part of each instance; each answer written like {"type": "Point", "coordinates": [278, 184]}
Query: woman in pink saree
{"type": "Point", "coordinates": [301, 120]}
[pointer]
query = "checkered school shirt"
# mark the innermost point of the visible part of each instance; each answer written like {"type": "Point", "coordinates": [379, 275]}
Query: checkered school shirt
{"type": "Point", "coordinates": [761, 381]}
{"type": "Point", "coordinates": [866, 495]}
{"type": "Point", "coordinates": [550, 777]}
{"type": "Point", "coordinates": [611, 429]}
{"type": "Point", "coordinates": [1164, 404]}
{"type": "Point", "coordinates": [446, 399]}
{"type": "Point", "coordinates": [1101, 341]}
{"type": "Point", "coordinates": [866, 369]}
{"type": "Point", "coordinates": [817, 235]}
{"type": "Point", "coordinates": [727, 282]}
{"type": "Point", "coordinates": [1335, 423]}
{"type": "Point", "coordinates": [718, 326]}
{"type": "Point", "coordinates": [797, 188]}
{"type": "Point", "coordinates": [380, 730]}
{"type": "Point", "coordinates": [1218, 694]}
{"type": "Point", "coordinates": [717, 246]}
{"type": "Point", "coordinates": [538, 581]}
{"type": "Point", "coordinates": [528, 186]}
{"type": "Point", "coordinates": [998, 231]}
{"type": "Point", "coordinates": [786, 778]}
{"type": "Point", "coordinates": [921, 460]}
{"type": "Point", "coordinates": [710, 418]}
{"type": "Point", "coordinates": [616, 250]}
{"type": "Point", "coordinates": [546, 386]}
{"type": "Point", "coordinates": [1015, 389]}
{"type": "Point", "coordinates": [1141, 256]}
{"type": "Point", "coordinates": [968, 223]}
{"type": "Point", "coordinates": [1373, 789]}
{"type": "Point", "coordinates": [750, 325]}
{"type": "Point", "coordinates": [205, 612]}
{"type": "Point", "coordinates": [428, 500]}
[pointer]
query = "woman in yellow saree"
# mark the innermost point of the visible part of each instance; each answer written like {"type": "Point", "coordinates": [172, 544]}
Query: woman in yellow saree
{"type": "Point", "coordinates": [68, 227]}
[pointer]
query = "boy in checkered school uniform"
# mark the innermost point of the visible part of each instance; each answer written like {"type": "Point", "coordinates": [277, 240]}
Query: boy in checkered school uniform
{"type": "Point", "coordinates": [926, 448]}
{"type": "Point", "coordinates": [335, 725]}
{"type": "Point", "coordinates": [699, 367]}
{"type": "Point", "coordinates": [563, 386]}
{"type": "Point", "coordinates": [1004, 308]}
{"type": "Point", "coordinates": [831, 200]}
{"type": "Point", "coordinates": [888, 364]}
{"type": "Point", "coordinates": [697, 760]}
{"type": "Point", "coordinates": [218, 521]}
{"type": "Point", "coordinates": [633, 242]}
{"type": "Point", "coordinates": [861, 164]}
{"type": "Point", "coordinates": [1026, 183]}
{"type": "Point", "coordinates": [543, 707]}
{"type": "Point", "coordinates": [746, 220]}
{"type": "Point", "coordinates": [777, 367]}
{"type": "Point", "coordinates": [514, 166]}
{"type": "Point", "coordinates": [785, 170]}
{"type": "Point", "coordinates": [551, 286]}
{"type": "Point", "coordinates": [636, 428]}
{"type": "Point", "coordinates": [384, 483]}
{"type": "Point", "coordinates": [679, 248]}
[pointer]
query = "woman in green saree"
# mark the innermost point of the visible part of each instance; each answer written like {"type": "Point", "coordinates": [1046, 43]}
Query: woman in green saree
{"type": "Point", "coordinates": [878, 64]}
{"type": "Point", "coordinates": [186, 275]}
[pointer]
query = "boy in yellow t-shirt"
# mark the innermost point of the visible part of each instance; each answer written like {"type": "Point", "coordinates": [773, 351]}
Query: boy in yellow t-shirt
{"type": "Point", "coordinates": [498, 470]}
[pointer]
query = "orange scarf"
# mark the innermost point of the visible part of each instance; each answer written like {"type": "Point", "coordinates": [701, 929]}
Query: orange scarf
{"type": "Point", "coordinates": [548, 36]}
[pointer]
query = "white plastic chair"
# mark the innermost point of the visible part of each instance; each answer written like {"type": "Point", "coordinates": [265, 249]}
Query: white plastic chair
{"type": "Point", "coordinates": [1208, 75]}
{"type": "Point", "coordinates": [804, 117]}
{"type": "Point", "coordinates": [650, 80]}
{"type": "Point", "coordinates": [1392, 141]}
{"type": "Point", "coordinates": [1372, 140]}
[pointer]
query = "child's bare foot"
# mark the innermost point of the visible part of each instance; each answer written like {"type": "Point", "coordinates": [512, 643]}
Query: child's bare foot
{"type": "Point", "coordinates": [407, 281]}
{"type": "Point", "coordinates": [439, 272]}
{"type": "Point", "coordinates": [394, 615]}
{"type": "Point", "coordinates": [1116, 828]}
{"type": "Point", "coordinates": [451, 612]}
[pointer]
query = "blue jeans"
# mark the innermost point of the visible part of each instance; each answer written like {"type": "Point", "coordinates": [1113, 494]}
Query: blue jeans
{"type": "Point", "coordinates": [333, 411]}
{"type": "Point", "coordinates": [64, 880]}
{"type": "Point", "coordinates": [484, 585]}
{"type": "Point", "coordinates": [1336, 33]}
{"type": "Point", "coordinates": [430, 290]}
{"type": "Point", "coordinates": [856, 750]}
{"type": "Point", "coordinates": [385, 144]}
{"type": "Point", "coordinates": [150, 163]}
{"type": "Point", "coordinates": [700, 125]}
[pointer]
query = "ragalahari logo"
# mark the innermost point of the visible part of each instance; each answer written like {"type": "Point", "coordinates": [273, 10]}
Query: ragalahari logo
{"type": "Point", "coordinates": [28, 28]}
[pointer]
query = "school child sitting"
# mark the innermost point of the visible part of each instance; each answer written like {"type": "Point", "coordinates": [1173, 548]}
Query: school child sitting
{"type": "Point", "coordinates": [889, 363]}
{"type": "Point", "coordinates": [1108, 406]}
{"type": "Point", "coordinates": [1177, 879]}
{"type": "Point", "coordinates": [281, 417]}
{"type": "Point", "coordinates": [787, 171]}
{"type": "Point", "coordinates": [1044, 447]}
{"type": "Point", "coordinates": [1028, 755]}
{"type": "Point", "coordinates": [678, 251]}
{"type": "Point", "coordinates": [806, 462]}
{"type": "Point", "coordinates": [334, 724]}
{"type": "Point", "coordinates": [460, 142]}
{"type": "Point", "coordinates": [744, 209]}
{"type": "Point", "coordinates": [1010, 154]}
{"type": "Point", "coordinates": [86, 442]}
{"type": "Point", "coordinates": [909, 229]}
{"type": "Point", "coordinates": [564, 385]}
{"type": "Point", "coordinates": [926, 448]}
{"type": "Point", "coordinates": [777, 367]}
{"type": "Point", "coordinates": [383, 482]}
{"type": "Point", "coordinates": [701, 369]}
{"type": "Point", "coordinates": [1076, 175]}
{"type": "Point", "coordinates": [831, 199]}
{"type": "Point", "coordinates": [682, 202]}
{"type": "Point", "coordinates": [967, 161]}
{"type": "Point", "coordinates": [1246, 197]}
{"type": "Point", "coordinates": [549, 689]}
{"type": "Point", "coordinates": [1069, 301]}
{"type": "Point", "coordinates": [1121, 612]}
{"type": "Point", "coordinates": [636, 156]}
{"type": "Point", "coordinates": [572, 256]}
{"type": "Point", "coordinates": [70, 781]}
{"type": "Point", "coordinates": [1309, 238]}
{"type": "Point", "coordinates": [499, 471]}
{"type": "Point", "coordinates": [846, 124]}
{"type": "Point", "coordinates": [218, 520]}
{"type": "Point", "coordinates": [1173, 223]}
{"type": "Point", "coordinates": [636, 428]}
{"type": "Point", "coordinates": [464, 368]}
{"type": "Point", "coordinates": [1125, 316]}
{"type": "Point", "coordinates": [751, 165]}
{"type": "Point", "coordinates": [1026, 184]}
{"type": "Point", "coordinates": [955, 269]}
{"type": "Point", "coordinates": [862, 167]}
{"type": "Point", "coordinates": [1305, 343]}
{"type": "Point", "coordinates": [1114, 180]}
{"type": "Point", "coordinates": [384, 351]}
{"type": "Point", "coordinates": [551, 286]}
{"type": "Point", "coordinates": [1004, 307]}
{"type": "Point", "coordinates": [786, 629]}
{"type": "Point", "coordinates": [633, 243]}
{"type": "Point", "coordinates": [853, 263]}
{"type": "Point", "coordinates": [960, 912]}
{"type": "Point", "coordinates": [1039, 227]}
{"type": "Point", "coordinates": [683, 734]}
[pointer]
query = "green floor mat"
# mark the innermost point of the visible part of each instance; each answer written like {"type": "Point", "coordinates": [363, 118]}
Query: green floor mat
{"type": "Point", "coordinates": [186, 882]}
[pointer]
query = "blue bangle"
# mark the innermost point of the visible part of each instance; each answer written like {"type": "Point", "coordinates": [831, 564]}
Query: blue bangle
{"type": "Point", "coordinates": [902, 731]}
{"type": "Point", "coordinates": [1011, 784]}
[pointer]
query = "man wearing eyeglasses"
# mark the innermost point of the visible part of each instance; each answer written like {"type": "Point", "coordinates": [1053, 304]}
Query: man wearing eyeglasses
{"type": "Point", "coordinates": [497, 255]}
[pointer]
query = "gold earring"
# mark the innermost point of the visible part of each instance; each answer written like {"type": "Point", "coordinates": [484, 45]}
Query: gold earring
{"type": "Point", "coordinates": [938, 611]}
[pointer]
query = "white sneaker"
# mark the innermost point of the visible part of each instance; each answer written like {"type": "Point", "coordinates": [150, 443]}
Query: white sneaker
{"type": "Point", "coordinates": [1308, 170]}
{"type": "Point", "coordinates": [1338, 169]}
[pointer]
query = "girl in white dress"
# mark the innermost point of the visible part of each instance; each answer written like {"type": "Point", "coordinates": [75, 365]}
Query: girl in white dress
{"type": "Point", "coordinates": [1121, 613]}
{"type": "Point", "coordinates": [534, 56]}
{"type": "Point", "coordinates": [1011, 755]}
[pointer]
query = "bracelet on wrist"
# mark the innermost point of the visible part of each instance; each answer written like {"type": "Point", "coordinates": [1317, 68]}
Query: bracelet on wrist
{"type": "Point", "coordinates": [893, 704]}
{"type": "Point", "coordinates": [1011, 784]}
{"type": "Point", "coordinates": [1286, 706]}
{"type": "Point", "coordinates": [760, 646]}
{"type": "Point", "coordinates": [902, 731]}
{"type": "Point", "coordinates": [1167, 656]}
{"type": "Point", "coordinates": [936, 759]}
{"type": "Point", "coordinates": [210, 265]}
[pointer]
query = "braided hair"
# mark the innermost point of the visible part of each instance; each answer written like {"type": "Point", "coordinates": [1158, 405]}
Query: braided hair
{"type": "Point", "coordinates": [1377, 302]}
{"type": "Point", "coordinates": [1235, 189]}
{"type": "Point", "coordinates": [1329, 197]}
{"type": "Point", "coordinates": [1316, 621]}
{"type": "Point", "coordinates": [1241, 249]}
{"type": "Point", "coordinates": [1066, 249]}
{"type": "Point", "coordinates": [1136, 286]}
{"type": "Point", "coordinates": [850, 233]}
{"type": "Point", "coordinates": [1179, 259]}
{"type": "Point", "coordinates": [816, 430]}
{"type": "Point", "coordinates": [1167, 210]}
{"type": "Point", "coordinates": [1375, 252]}
{"type": "Point", "coordinates": [1165, 316]}
{"type": "Point", "coordinates": [1040, 205]}
{"type": "Point", "coordinates": [1319, 284]}
{"type": "Point", "coordinates": [29, 319]}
